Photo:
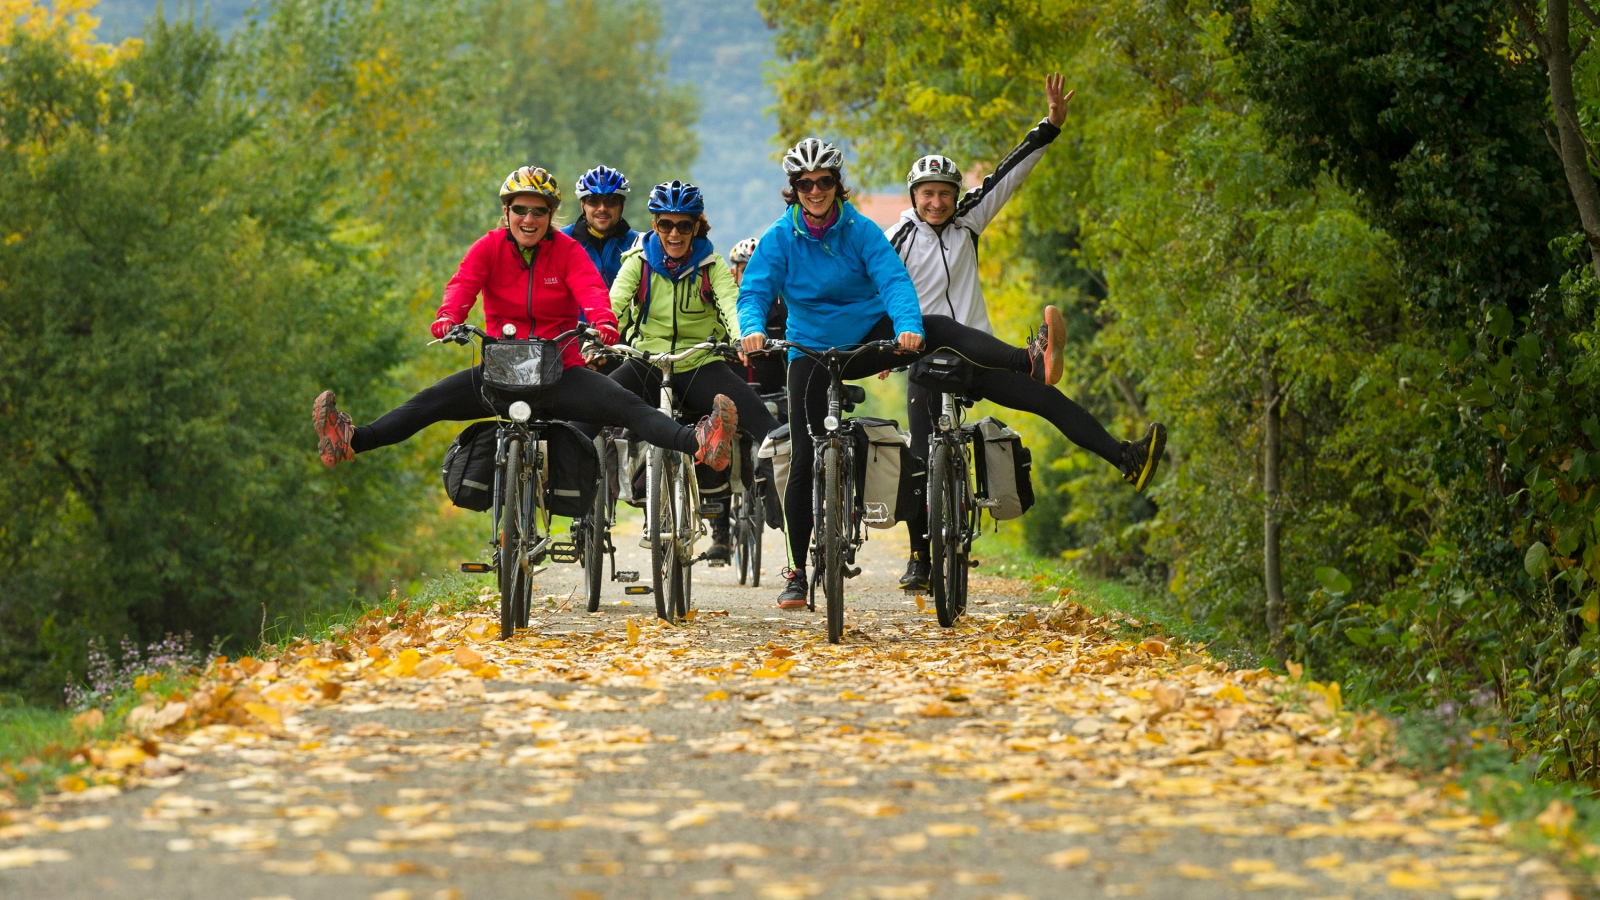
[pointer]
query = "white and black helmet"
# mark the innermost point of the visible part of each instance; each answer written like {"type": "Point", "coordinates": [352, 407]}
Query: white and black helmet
{"type": "Point", "coordinates": [810, 155]}
{"type": "Point", "coordinates": [933, 168]}
{"type": "Point", "coordinates": [742, 251]}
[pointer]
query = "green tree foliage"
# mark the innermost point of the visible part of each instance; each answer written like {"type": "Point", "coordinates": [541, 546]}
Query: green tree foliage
{"type": "Point", "coordinates": [1329, 244]}
{"type": "Point", "coordinates": [201, 235]}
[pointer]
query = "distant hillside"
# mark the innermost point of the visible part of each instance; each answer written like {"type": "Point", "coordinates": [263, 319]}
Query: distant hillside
{"type": "Point", "coordinates": [719, 46]}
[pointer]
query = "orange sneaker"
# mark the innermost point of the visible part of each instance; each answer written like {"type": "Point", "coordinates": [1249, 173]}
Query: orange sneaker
{"type": "Point", "coordinates": [716, 434]}
{"type": "Point", "coordinates": [334, 430]}
{"type": "Point", "coordinates": [1046, 348]}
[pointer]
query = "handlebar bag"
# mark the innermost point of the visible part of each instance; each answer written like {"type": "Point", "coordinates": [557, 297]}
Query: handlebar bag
{"type": "Point", "coordinates": [776, 448]}
{"type": "Point", "coordinates": [469, 467]}
{"type": "Point", "coordinates": [943, 372]}
{"type": "Point", "coordinates": [889, 477]}
{"type": "Point", "coordinates": [1005, 469]}
{"type": "Point", "coordinates": [522, 366]}
{"type": "Point", "coordinates": [574, 470]}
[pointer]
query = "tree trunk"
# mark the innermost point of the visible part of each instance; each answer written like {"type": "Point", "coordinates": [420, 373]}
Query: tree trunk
{"type": "Point", "coordinates": [1271, 555]}
{"type": "Point", "coordinates": [1574, 150]}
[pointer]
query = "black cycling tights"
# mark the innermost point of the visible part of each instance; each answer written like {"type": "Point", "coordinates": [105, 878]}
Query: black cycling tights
{"type": "Point", "coordinates": [808, 402]}
{"type": "Point", "coordinates": [1013, 391]}
{"type": "Point", "coordinates": [696, 389]}
{"type": "Point", "coordinates": [580, 396]}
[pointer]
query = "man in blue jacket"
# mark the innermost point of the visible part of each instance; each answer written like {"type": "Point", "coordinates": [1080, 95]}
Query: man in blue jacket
{"type": "Point", "coordinates": [601, 230]}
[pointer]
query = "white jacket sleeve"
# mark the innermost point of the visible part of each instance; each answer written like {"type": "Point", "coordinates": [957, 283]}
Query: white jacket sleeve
{"type": "Point", "coordinates": [979, 206]}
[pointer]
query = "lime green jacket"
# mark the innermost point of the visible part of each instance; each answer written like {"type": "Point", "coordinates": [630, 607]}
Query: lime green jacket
{"type": "Point", "coordinates": [676, 315]}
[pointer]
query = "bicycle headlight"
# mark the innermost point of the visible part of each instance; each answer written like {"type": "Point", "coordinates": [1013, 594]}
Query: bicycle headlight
{"type": "Point", "coordinates": [521, 411]}
{"type": "Point", "coordinates": [831, 423]}
{"type": "Point", "coordinates": [509, 330]}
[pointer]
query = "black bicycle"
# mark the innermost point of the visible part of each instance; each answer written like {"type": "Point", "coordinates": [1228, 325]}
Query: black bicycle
{"type": "Point", "coordinates": [840, 521]}
{"type": "Point", "coordinates": [520, 524]}
{"type": "Point", "coordinates": [952, 507]}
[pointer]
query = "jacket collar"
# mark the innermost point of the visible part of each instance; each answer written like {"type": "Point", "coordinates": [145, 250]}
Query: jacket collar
{"type": "Point", "coordinates": [580, 231]}
{"type": "Point", "coordinates": [700, 251]}
{"type": "Point", "coordinates": [847, 216]}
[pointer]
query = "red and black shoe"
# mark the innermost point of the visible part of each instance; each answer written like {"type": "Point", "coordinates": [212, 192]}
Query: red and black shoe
{"type": "Point", "coordinates": [716, 434]}
{"type": "Point", "coordinates": [334, 430]}
{"type": "Point", "coordinates": [793, 595]}
{"type": "Point", "coordinates": [1045, 349]}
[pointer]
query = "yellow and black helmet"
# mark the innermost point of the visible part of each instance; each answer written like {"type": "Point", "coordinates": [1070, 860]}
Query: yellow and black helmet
{"type": "Point", "coordinates": [531, 180]}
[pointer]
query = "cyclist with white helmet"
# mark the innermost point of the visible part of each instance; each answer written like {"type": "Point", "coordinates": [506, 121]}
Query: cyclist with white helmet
{"type": "Point", "coordinates": [766, 370]}
{"type": "Point", "coordinates": [601, 229]}
{"type": "Point", "coordinates": [938, 241]}
{"type": "Point", "coordinates": [673, 291]}
{"type": "Point", "coordinates": [534, 280]}
{"type": "Point", "coordinates": [845, 286]}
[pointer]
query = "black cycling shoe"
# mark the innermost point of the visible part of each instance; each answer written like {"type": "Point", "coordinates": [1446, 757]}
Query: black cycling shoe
{"type": "Point", "coordinates": [917, 573]}
{"type": "Point", "coordinates": [719, 554]}
{"type": "Point", "coordinates": [793, 595]}
{"type": "Point", "coordinates": [1141, 458]}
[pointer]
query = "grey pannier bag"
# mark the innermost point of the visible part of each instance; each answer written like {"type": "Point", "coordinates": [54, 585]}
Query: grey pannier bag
{"type": "Point", "coordinates": [776, 448]}
{"type": "Point", "coordinates": [888, 474]}
{"type": "Point", "coordinates": [1005, 470]}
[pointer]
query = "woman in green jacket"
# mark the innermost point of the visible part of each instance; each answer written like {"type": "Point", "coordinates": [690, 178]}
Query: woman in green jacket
{"type": "Point", "coordinates": [674, 291]}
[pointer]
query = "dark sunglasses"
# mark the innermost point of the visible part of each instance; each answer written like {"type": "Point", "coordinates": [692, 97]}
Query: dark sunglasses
{"type": "Point", "coordinates": [667, 226]}
{"type": "Point", "coordinates": [538, 212]}
{"type": "Point", "coordinates": [607, 200]}
{"type": "Point", "coordinates": [808, 185]}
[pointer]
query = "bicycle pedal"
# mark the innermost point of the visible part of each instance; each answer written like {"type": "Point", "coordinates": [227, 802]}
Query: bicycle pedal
{"type": "Point", "coordinates": [852, 571]}
{"type": "Point", "coordinates": [972, 563]}
{"type": "Point", "coordinates": [477, 568]}
{"type": "Point", "coordinates": [564, 553]}
{"type": "Point", "coordinates": [633, 590]}
{"type": "Point", "coordinates": [625, 576]}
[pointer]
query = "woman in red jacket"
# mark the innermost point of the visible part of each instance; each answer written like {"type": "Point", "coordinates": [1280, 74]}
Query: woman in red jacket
{"type": "Point", "coordinates": [534, 279]}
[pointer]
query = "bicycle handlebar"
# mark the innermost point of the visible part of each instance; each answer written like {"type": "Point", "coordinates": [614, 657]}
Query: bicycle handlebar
{"type": "Point", "coordinates": [839, 354]}
{"type": "Point", "coordinates": [460, 334]}
{"type": "Point", "coordinates": [715, 347]}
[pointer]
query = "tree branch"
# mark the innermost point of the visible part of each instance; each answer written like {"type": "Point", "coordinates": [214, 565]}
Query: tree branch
{"type": "Point", "coordinates": [1588, 12]}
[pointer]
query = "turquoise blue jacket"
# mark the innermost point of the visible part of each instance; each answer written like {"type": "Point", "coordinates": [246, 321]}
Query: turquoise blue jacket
{"type": "Point", "coordinates": [836, 288]}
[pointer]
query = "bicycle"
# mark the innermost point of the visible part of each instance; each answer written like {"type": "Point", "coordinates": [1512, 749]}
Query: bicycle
{"type": "Point", "coordinates": [592, 532]}
{"type": "Point", "coordinates": [520, 524]}
{"type": "Point", "coordinates": [952, 509]}
{"type": "Point", "coordinates": [748, 511]}
{"type": "Point", "coordinates": [672, 496]}
{"type": "Point", "coordinates": [840, 521]}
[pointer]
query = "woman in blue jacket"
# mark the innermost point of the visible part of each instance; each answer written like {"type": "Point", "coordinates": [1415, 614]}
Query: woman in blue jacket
{"type": "Point", "coordinates": [845, 285]}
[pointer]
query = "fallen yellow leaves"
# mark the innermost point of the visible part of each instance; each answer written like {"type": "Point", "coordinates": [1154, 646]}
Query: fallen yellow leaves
{"type": "Point", "coordinates": [1066, 859]}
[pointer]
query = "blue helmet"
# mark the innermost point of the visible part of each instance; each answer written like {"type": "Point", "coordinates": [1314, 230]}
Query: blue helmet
{"type": "Point", "coordinates": [603, 180]}
{"type": "Point", "coordinates": [676, 197]}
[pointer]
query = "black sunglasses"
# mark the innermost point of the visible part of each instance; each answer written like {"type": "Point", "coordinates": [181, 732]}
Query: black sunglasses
{"type": "Point", "coordinates": [667, 226]}
{"type": "Point", "coordinates": [808, 185]}
{"type": "Point", "coordinates": [538, 212]}
{"type": "Point", "coordinates": [606, 200]}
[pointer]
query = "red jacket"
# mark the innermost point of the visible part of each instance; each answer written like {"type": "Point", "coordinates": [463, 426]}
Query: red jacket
{"type": "Point", "coordinates": [563, 279]}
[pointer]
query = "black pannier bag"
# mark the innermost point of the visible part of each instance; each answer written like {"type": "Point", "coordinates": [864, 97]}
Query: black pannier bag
{"type": "Point", "coordinates": [944, 372]}
{"type": "Point", "coordinates": [889, 477]}
{"type": "Point", "coordinates": [469, 467]}
{"type": "Point", "coordinates": [1005, 469]}
{"type": "Point", "coordinates": [522, 367]}
{"type": "Point", "coordinates": [574, 470]}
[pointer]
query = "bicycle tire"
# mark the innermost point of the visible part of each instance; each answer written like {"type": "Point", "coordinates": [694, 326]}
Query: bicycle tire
{"type": "Point", "coordinates": [946, 521]}
{"type": "Point", "coordinates": [736, 527]}
{"type": "Point", "coordinates": [594, 546]}
{"type": "Point", "coordinates": [833, 538]}
{"type": "Point", "coordinates": [755, 525]}
{"type": "Point", "coordinates": [532, 534]}
{"type": "Point", "coordinates": [688, 520]}
{"type": "Point", "coordinates": [510, 539]}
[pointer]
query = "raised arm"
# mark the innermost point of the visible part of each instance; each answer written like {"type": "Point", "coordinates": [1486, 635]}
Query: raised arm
{"type": "Point", "coordinates": [978, 207]}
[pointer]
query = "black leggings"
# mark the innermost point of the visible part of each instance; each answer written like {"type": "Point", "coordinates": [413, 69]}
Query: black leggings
{"type": "Point", "coordinates": [808, 402]}
{"type": "Point", "coordinates": [580, 395]}
{"type": "Point", "coordinates": [696, 389]}
{"type": "Point", "coordinates": [1013, 391]}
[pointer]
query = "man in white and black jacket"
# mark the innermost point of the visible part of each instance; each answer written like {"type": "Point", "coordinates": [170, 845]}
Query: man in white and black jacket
{"type": "Point", "coordinates": [938, 241]}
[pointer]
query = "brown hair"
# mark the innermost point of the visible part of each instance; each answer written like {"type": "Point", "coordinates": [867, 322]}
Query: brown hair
{"type": "Point", "coordinates": [791, 197]}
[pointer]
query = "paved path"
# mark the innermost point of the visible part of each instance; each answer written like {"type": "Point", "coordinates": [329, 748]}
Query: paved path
{"type": "Point", "coordinates": [1032, 754]}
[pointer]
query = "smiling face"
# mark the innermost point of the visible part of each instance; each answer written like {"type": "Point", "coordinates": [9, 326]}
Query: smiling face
{"type": "Point", "coordinates": [935, 201]}
{"type": "Point", "coordinates": [602, 210]}
{"type": "Point", "coordinates": [816, 191]}
{"type": "Point", "coordinates": [676, 231]}
{"type": "Point", "coordinates": [528, 215]}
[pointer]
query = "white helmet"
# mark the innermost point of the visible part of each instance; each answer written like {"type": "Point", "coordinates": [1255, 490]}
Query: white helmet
{"type": "Point", "coordinates": [742, 251]}
{"type": "Point", "coordinates": [933, 168]}
{"type": "Point", "coordinates": [811, 155]}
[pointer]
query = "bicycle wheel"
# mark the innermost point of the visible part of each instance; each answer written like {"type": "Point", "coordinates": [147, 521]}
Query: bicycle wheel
{"type": "Point", "coordinates": [755, 524]}
{"type": "Point", "coordinates": [532, 490]}
{"type": "Point", "coordinates": [947, 560]}
{"type": "Point", "coordinates": [511, 575]}
{"type": "Point", "coordinates": [736, 526]}
{"type": "Point", "coordinates": [688, 520]}
{"type": "Point", "coordinates": [834, 533]}
{"type": "Point", "coordinates": [660, 513]}
{"type": "Point", "coordinates": [594, 543]}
